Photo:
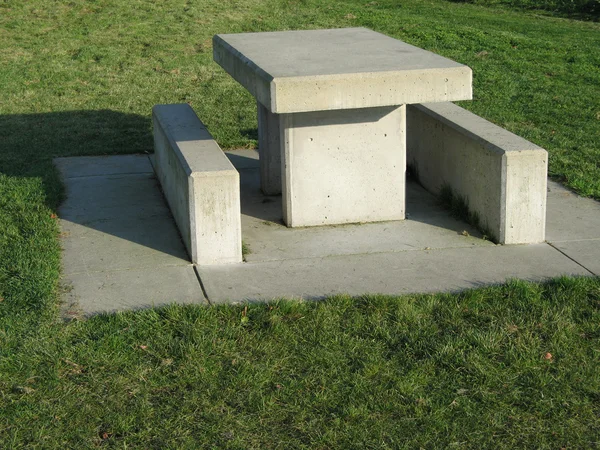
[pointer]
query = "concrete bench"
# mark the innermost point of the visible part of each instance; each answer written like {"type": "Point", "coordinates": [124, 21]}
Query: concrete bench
{"type": "Point", "coordinates": [200, 185]}
{"type": "Point", "coordinates": [501, 176]}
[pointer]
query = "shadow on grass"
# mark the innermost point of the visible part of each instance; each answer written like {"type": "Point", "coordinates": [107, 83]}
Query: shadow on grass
{"type": "Point", "coordinates": [29, 142]}
{"type": "Point", "coordinates": [129, 208]}
{"type": "Point", "coordinates": [250, 133]}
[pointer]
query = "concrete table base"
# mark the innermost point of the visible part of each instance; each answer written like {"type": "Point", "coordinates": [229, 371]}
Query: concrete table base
{"type": "Point", "coordinates": [340, 166]}
{"type": "Point", "coordinates": [269, 147]}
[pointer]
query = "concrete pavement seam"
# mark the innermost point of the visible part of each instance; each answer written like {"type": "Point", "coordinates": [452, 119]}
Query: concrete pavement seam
{"type": "Point", "coordinates": [572, 259]}
{"type": "Point", "coordinates": [202, 285]}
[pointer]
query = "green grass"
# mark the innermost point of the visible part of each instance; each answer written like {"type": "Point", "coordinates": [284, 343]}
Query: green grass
{"type": "Point", "coordinates": [503, 367]}
{"type": "Point", "coordinates": [581, 9]}
{"type": "Point", "coordinates": [80, 78]}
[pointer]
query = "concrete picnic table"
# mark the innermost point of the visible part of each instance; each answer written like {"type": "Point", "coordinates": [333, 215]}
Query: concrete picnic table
{"type": "Point", "coordinates": [332, 116]}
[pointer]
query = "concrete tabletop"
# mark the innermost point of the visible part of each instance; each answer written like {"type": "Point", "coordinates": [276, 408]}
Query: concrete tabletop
{"type": "Point", "coordinates": [314, 70]}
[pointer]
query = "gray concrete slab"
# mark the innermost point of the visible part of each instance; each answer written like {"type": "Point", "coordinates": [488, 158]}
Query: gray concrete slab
{"type": "Point", "coordinates": [427, 226]}
{"type": "Point", "coordinates": [586, 253]}
{"type": "Point", "coordinates": [385, 273]}
{"type": "Point", "coordinates": [569, 216]}
{"type": "Point", "coordinates": [121, 248]}
{"type": "Point", "coordinates": [104, 197]}
{"type": "Point", "coordinates": [200, 185]}
{"type": "Point", "coordinates": [306, 53]}
{"type": "Point", "coordinates": [87, 166]}
{"type": "Point", "coordinates": [121, 244]}
{"type": "Point", "coordinates": [88, 293]}
{"type": "Point", "coordinates": [501, 176]}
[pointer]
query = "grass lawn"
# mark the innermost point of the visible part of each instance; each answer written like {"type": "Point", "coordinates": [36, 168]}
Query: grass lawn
{"type": "Point", "coordinates": [509, 366]}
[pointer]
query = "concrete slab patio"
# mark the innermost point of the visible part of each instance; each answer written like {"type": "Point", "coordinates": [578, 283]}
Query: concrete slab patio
{"type": "Point", "coordinates": [122, 249]}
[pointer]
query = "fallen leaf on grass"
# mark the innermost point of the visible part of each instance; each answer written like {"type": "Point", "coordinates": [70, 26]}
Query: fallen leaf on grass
{"type": "Point", "coordinates": [350, 16]}
{"type": "Point", "coordinates": [144, 347]}
{"type": "Point", "coordinates": [548, 356]}
{"type": "Point", "coordinates": [245, 319]}
{"type": "Point", "coordinates": [23, 390]}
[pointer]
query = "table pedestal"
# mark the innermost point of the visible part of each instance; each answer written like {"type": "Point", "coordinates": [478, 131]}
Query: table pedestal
{"type": "Point", "coordinates": [269, 150]}
{"type": "Point", "coordinates": [338, 166]}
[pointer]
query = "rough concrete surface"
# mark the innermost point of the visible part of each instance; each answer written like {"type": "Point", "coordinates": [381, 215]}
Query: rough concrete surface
{"type": "Point", "coordinates": [133, 257]}
{"type": "Point", "coordinates": [270, 150]}
{"type": "Point", "coordinates": [343, 166]}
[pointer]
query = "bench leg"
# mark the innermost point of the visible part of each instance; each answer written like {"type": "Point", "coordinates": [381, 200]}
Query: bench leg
{"type": "Point", "coordinates": [343, 166]}
{"type": "Point", "coordinates": [269, 150]}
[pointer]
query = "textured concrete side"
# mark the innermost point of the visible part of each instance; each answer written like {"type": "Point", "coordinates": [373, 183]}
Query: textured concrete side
{"type": "Point", "coordinates": [200, 184]}
{"type": "Point", "coordinates": [502, 177]}
{"type": "Point", "coordinates": [343, 166]}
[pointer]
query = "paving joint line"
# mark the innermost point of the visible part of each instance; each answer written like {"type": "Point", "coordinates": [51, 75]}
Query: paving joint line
{"type": "Point", "coordinates": [572, 259]}
{"type": "Point", "coordinates": [202, 285]}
